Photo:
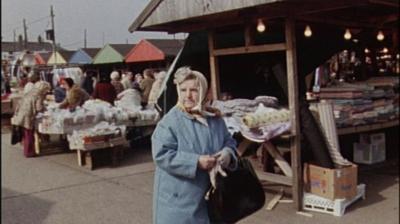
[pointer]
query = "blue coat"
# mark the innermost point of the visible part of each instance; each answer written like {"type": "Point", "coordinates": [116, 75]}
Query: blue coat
{"type": "Point", "coordinates": [179, 185]}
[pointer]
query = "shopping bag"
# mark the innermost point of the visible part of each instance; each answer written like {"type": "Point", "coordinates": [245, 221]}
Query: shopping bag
{"type": "Point", "coordinates": [16, 134]}
{"type": "Point", "coordinates": [236, 196]}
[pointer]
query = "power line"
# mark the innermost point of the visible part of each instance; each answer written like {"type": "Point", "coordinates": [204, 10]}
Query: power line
{"type": "Point", "coordinates": [19, 27]}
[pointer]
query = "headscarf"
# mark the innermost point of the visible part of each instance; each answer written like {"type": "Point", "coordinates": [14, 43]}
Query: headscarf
{"type": "Point", "coordinates": [182, 75]}
{"type": "Point", "coordinates": [41, 88]}
{"type": "Point", "coordinates": [114, 75]}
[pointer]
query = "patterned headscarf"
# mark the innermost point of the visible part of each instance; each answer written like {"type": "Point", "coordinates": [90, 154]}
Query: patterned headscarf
{"type": "Point", "coordinates": [182, 75]}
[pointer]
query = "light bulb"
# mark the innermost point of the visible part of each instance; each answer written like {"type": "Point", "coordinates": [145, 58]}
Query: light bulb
{"type": "Point", "coordinates": [385, 50]}
{"type": "Point", "coordinates": [260, 26]}
{"type": "Point", "coordinates": [366, 50]}
{"type": "Point", "coordinates": [347, 34]}
{"type": "Point", "coordinates": [307, 31]}
{"type": "Point", "coordinates": [380, 35]}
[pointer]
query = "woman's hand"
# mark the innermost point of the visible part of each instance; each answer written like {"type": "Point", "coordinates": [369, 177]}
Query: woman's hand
{"type": "Point", "coordinates": [207, 162]}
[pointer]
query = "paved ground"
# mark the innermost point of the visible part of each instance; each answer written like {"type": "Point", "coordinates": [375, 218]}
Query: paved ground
{"type": "Point", "coordinates": [53, 189]}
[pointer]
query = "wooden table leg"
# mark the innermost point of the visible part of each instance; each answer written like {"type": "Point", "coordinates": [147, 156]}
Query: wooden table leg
{"type": "Point", "coordinates": [89, 160]}
{"type": "Point", "coordinates": [81, 157]}
{"type": "Point", "coordinates": [37, 142]}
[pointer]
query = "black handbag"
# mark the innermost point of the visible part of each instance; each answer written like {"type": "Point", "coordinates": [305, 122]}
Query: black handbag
{"type": "Point", "coordinates": [16, 134]}
{"type": "Point", "coordinates": [236, 196]}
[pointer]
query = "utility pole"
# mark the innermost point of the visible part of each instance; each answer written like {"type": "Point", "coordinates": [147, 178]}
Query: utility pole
{"type": "Point", "coordinates": [103, 38]}
{"type": "Point", "coordinates": [25, 34]}
{"type": "Point", "coordinates": [15, 40]}
{"type": "Point", "coordinates": [54, 36]}
{"type": "Point", "coordinates": [84, 40]}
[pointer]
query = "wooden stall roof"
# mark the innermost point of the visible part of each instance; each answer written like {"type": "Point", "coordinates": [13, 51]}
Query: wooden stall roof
{"type": "Point", "coordinates": [184, 16]}
{"type": "Point", "coordinates": [112, 53]}
{"type": "Point", "coordinates": [91, 51]}
{"type": "Point", "coordinates": [43, 57]}
{"type": "Point", "coordinates": [60, 57]}
{"type": "Point", "coordinates": [84, 56]}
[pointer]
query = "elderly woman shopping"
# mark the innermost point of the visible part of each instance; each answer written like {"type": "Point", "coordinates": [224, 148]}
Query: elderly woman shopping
{"type": "Point", "coordinates": [25, 114]}
{"type": "Point", "coordinates": [186, 144]}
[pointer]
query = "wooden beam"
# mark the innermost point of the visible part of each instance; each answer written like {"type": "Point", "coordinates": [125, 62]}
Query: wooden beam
{"type": "Point", "coordinates": [385, 2]}
{"type": "Point", "coordinates": [282, 163]}
{"type": "Point", "coordinates": [336, 22]}
{"type": "Point", "coordinates": [291, 65]}
{"type": "Point", "coordinates": [275, 178]}
{"type": "Point", "coordinates": [144, 15]}
{"type": "Point", "coordinates": [248, 35]}
{"type": "Point", "coordinates": [213, 66]}
{"type": "Point", "coordinates": [250, 49]}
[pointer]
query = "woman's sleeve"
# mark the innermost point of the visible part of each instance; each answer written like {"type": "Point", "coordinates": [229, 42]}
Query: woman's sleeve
{"type": "Point", "coordinates": [167, 156]}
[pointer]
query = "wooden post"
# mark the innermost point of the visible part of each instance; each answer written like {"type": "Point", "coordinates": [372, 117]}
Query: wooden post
{"type": "Point", "coordinates": [213, 67]}
{"type": "Point", "coordinates": [291, 65]}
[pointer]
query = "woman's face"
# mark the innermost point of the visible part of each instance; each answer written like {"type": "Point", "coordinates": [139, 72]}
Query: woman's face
{"type": "Point", "coordinates": [189, 92]}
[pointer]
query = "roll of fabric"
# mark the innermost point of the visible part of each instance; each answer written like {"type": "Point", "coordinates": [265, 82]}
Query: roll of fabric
{"type": "Point", "coordinates": [254, 120]}
{"type": "Point", "coordinates": [327, 122]}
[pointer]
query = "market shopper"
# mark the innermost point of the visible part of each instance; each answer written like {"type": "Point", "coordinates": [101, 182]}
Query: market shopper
{"type": "Point", "coordinates": [146, 84]}
{"type": "Point", "coordinates": [76, 96]}
{"type": "Point", "coordinates": [104, 90]}
{"type": "Point", "coordinates": [59, 92]}
{"type": "Point", "coordinates": [25, 113]}
{"type": "Point", "coordinates": [32, 79]}
{"type": "Point", "coordinates": [187, 143]}
{"type": "Point", "coordinates": [116, 82]}
{"type": "Point", "coordinates": [137, 80]}
{"type": "Point", "coordinates": [127, 80]}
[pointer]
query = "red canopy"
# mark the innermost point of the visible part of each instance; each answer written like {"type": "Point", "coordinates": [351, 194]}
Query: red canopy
{"type": "Point", "coordinates": [144, 51]}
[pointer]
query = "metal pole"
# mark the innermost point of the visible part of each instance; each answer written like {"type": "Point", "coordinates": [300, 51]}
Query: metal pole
{"type": "Point", "coordinates": [54, 36]}
{"type": "Point", "coordinates": [85, 43]}
{"type": "Point", "coordinates": [25, 34]}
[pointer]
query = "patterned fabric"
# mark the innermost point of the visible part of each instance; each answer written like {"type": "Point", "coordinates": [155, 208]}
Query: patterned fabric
{"type": "Point", "coordinates": [327, 122]}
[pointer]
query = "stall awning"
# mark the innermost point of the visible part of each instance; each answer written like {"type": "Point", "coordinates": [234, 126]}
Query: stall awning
{"type": "Point", "coordinates": [84, 56]}
{"type": "Point", "coordinates": [154, 50]}
{"type": "Point", "coordinates": [39, 59]}
{"type": "Point", "coordinates": [60, 57]}
{"type": "Point", "coordinates": [112, 53]}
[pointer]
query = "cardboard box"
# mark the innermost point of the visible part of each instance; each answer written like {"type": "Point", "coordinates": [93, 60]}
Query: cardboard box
{"type": "Point", "coordinates": [331, 183]}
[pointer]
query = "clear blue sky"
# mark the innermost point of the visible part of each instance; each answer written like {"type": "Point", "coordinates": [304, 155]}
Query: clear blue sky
{"type": "Point", "coordinates": [106, 21]}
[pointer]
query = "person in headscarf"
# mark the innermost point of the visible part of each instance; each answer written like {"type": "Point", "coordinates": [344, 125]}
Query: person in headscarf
{"type": "Point", "coordinates": [24, 116]}
{"type": "Point", "coordinates": [116, 82]}
{"type": "Point", "coordinates": [187, 143]}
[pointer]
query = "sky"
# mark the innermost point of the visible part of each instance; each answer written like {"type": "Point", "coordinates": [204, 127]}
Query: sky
{"type": "Point", "coordinates": [106, 21]}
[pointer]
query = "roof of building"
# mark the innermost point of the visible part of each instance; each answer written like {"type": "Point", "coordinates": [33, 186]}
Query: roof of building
{"type": "Point", "coordinates": [32, 46]}
{"type": "Point", "coordinates": [91, 51]}
{"type": "Point", "coordinates": [123, 49]}
{"type": "Point", "coordinates": [170, 47]}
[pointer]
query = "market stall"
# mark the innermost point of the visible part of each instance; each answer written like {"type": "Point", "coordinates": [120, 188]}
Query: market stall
{"type": "Point", "coordinates": [293, 16]}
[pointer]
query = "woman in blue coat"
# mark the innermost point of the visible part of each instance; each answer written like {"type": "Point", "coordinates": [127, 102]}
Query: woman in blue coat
{"type": "Point", "coordinates": [186, 144]}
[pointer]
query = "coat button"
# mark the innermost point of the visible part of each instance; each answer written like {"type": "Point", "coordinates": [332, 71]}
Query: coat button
{"type": "Point", "coordinates": [175, 195]}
